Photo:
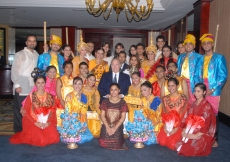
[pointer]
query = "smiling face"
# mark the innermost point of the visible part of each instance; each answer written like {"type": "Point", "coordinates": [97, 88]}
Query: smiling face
{"type": "Point", "coordinates": [150, 55]}
{"type": "Point", "coordinates": [55, 47]}
{"type": "Point", "coordinates": [181, 48]}
{"type": "Point", "coordinates": [31, 42]}
{"type": "Point", "coordinates": [91, 81]}
{"type": "Point", "coordinates": [140, 50]}
{"type": "Point", "coordinates": [172, 87]}
{"type": "Point", "coordinates": [114, 91]}
{"type": "Point", "coordinates": [133, 51]}
{"type": "Point", "coordinates": [145, 91]}
{"type": "Point", "coordinates": [83, 70]}
{"type": "Point", "coordinates": [207, 46]}
{"type": "Point", "coordinates": [115, 65]}
{"type": "Point", "coordinates": [66, 51]}
{"type": "Point", "coordinates": [90, 47]}
{"type": "Point", "coordinates": [136, 79]}
{"type": "Point", "coordinates": [172, 67]}
{"type": "Point", "coordinates": [99, 54]}
{"type": "Point", "coordinates": [68, 69]}
{"type": "Point", "coordinates": [122, 58]}
{"type": "Point", "coordinates": [166, 52]}
{"type": "Point", "coordinates": [160, 43]}
{"type": "Point", "coordinates": [199, 93]}
{"type": "Point", "coordinates": [82, 51]}
{"type": "Point", "coordinates": [77, 85]}
{"type": "Point", "coordinates": [40, 84]}
{"type": "Point", "coordinates": [189, 47]}
{"type": "Point", "coordinates": [51, 73]}
{"type": "Point", "coordinates": [133, 61]}
{"type": "Point", "coordinates": [160, 73]}
{"type": "Point", "coordinates": [106, 48]}
{"type": "Point", "coordinates": [119, 49]}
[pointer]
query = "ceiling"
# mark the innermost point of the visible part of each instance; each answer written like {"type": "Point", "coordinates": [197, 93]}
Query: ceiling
{"type": "Point", "coordinates": [28, 13]}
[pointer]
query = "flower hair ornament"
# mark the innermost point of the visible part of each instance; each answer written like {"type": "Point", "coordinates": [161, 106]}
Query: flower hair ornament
{"type": "Point", "coordinates": [37, 72]}
{"type": "Point", "coordinates": [170, 74]}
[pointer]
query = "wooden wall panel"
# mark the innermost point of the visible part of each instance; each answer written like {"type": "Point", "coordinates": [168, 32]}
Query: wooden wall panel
{"type": "Point", "coordinates": [220, 14]}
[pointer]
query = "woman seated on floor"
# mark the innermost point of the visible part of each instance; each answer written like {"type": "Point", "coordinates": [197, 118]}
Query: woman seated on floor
{"type": "Point", "coordinates": [199, 142]}
{"type": "Point", "coordinates": [38, 129]}
{"type": "Point", "coordinates": [174, 108]}
{"type": "Point", "coordinates": [113, 112]}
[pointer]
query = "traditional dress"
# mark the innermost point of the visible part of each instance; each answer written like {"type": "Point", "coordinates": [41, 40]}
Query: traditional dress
{"type": "Point", "coordinates": [78, 104]}
{"type": "Point", "coordinates": [188, 67]}
{"type": "Point", "coordinates": [93, 120]}
{"type": "Point", "coordinates": [133, 95]}
{"type": "Point", "coordinates": [66, 88]}
{"type": "Point", "coordinates": [98, 69]}
{"type": "Point", "coordinates": [113, 113]}
{"type": "Point", "coordinates": [179, 104]}
{"type": "Point", "coordinates": [76, 61]}
{"type": "Point", "coordinates": [156, 89]}
{"type": "Point", "coordinates": [152, 109]}
{"type": "Point", "coordinates": [150, 75]}
{"type": "Point", "coordinates": [146, 67]}
{"type": "Point", "coordinates": [31, 134]}
{"type": "Point", "coordinates": [47, 59]}
{"type": "Point", "coordinates": [203, 145]}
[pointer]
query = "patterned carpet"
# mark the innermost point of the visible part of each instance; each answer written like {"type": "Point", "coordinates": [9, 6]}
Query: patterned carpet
{"type": "Point", "coordinates": [6, 116]}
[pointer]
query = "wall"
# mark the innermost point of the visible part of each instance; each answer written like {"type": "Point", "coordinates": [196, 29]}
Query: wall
{"type": "Point", "coordinates": [220, 14]}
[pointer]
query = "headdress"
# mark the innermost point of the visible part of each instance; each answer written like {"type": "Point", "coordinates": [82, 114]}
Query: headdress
{"type": "Point", "coordinates": [55, 39]}
{"type": "Point", "coordinates": [151, 47]}
{"type": "Point", "coordinates": [190, 39]}
{"type": "Point", "coordinates": [37, 72]}
{"type": "Point", "coordinates": [207, 38]}
{"type": "Point", "coordinates": [81, 43]}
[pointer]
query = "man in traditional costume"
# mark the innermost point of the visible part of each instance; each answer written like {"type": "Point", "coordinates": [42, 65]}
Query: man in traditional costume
{"type": "Point", "coordinates": [52, 57]}
{"type": "Point", "coordinates": [188, 64]}
{"type": "Point", "coordinates": [214, 74]}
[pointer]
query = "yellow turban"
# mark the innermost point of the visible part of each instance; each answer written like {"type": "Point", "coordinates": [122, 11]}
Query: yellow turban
{"type": "Point", "coordinates": [55, 39]}
{"type": "Point", "coordinates": [190, 39]}
{"type": "Point", "coordinates": [207, 38]}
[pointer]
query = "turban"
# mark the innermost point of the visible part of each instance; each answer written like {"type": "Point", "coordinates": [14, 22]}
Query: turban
{"type": "Point", "coordinates": [55, 39]}
{"type": "Point", "coordinates": [190, 39]}
{"type": "Point", "coordinates": [207, 38]}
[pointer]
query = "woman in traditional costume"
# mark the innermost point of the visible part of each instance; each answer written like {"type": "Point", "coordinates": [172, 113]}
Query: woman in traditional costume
{"type": "Point", "coordinates": [113, 112]}
{"type": "Point", "coordinates": [167, 55]}
{"type": "Point", "coordinates": [98, 66]}
{"type": "Point", "coordinates": [158, 84]}
{"type": "Point", "coordinates": [39, 121]}
{"type": "Point", "coordinates": [107, 55]}
{"type": "Point", "coordinates": [93, 99]}
{"type": "Point", "coordinates": [134, 95]}
{"type": "Point", "coordinates": [200, 141]}
{"type": "Point", "coordinates": [64, 86]}
{"type": "Point", "coordinates": [82, 48]}
{"type": "Point", "coordinates": [149, 65]}
{"type": "Point", "coordinates": [76, 102]}
{"type": "Point", "coordinates": [174, 108]}
{"type": "Point", "coordinates": [147, 120]}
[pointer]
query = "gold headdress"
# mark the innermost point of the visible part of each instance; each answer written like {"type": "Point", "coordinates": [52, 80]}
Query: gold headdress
{"type": "Point", "coordinates": [81, 43]}
{"type": "Point", "coordinates": [151, 47]}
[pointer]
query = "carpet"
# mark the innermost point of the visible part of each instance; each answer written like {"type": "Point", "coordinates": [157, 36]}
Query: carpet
{"type": "Point", "coordinates": [6, 116]}
{"type": "Point", "coordinates": [92, 152]}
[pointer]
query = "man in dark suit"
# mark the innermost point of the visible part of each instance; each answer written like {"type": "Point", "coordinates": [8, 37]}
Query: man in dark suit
{"type": "Point", "coordinates": [122, 58]}
{"type": "Point", "coordinates": [114, 76]}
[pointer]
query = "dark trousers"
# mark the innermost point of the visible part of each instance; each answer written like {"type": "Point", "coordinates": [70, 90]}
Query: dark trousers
{"type": "Point", "coordinates": [17, 115]}
{"type": "Point", "coordinates": [217, 128]}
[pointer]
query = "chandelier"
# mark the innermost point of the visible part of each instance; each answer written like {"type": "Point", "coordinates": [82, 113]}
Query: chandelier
{"type": "Point", "coordinates": [130, 9]}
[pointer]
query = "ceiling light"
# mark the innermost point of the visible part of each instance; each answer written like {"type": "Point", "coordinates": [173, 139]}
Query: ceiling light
{"type": "Point", "coordinates": [118, 6]}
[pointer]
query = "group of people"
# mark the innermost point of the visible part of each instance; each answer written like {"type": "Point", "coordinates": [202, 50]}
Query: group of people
{"type": "Point", "coordinates": [117, 96]}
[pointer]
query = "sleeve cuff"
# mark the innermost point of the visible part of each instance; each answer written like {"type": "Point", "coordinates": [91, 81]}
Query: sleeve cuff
{"type": "Point", "coordinates": [17, 85]}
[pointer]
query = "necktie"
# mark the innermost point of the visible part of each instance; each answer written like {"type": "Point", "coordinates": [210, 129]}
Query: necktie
{"type": "Point", "coordinates": [115, 79]}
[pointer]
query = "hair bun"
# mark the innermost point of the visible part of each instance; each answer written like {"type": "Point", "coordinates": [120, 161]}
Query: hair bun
{"type": "Point", "coordinates": [170, 74]}
{"type": "Point", "coordinates": [37, 72]}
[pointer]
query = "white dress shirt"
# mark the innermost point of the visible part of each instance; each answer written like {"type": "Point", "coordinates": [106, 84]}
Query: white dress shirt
{"type": "Point", "coordinates": [89, 57]}
{"type": "Point", "coordinates": [158, 54]}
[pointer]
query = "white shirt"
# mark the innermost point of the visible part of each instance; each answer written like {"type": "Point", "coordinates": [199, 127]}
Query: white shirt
{"type": "Point", "coordinates": [158, 54]}
{"type": "Point", "coordinates": [108, 59]}
{"type": "Point", "coordinates": [24, 63]}
{"type": "Point", "coordinates": [89, 57]}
